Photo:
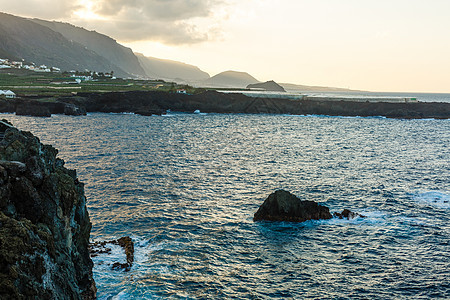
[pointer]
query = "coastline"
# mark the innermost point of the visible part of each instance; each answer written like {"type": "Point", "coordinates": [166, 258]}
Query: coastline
{"type": "Point", "coordinates": [157, 103]}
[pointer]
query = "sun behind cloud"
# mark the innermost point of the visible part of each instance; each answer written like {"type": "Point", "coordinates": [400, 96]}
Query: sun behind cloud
{"type": "Point", "coordinates": [86, 11]}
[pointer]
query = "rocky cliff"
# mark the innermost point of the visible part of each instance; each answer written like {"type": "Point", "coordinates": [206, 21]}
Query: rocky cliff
{"type": "Point", "coordinates": [44, 223]}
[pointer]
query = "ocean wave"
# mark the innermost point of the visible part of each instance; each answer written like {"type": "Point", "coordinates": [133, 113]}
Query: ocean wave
{"type": "Point", "coordinates": [337, 117]}
{"type": "Point", "coordinates": [439, 199]}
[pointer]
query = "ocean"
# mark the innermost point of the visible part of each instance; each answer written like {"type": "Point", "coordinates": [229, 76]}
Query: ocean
{"type": "Point", "coordinates": [185, 188]}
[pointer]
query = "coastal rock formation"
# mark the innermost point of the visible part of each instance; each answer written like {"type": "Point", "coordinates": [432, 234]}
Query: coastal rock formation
{"type": "Point", "coordinates": [73, 110]}
{"type": "Point", "coordinates": [347, 214]}
{"type": "Point", "coordinates": [104, 247]}
{"type": "Point", "coordinates": [29, 109]}
{"type": "Point", "coordinates": [284, 206]}
{"type": "Point", "coordinates": [216, 102]}
{"type": "Point", "coordinates": [44, 223]}
{"type": "Point", "coordinates": [158, 102]}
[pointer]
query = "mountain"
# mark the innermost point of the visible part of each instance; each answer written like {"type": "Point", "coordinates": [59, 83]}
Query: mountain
{"type": "Point", "coordinates": [270, 86]}
{"type": "Point", "coordinates": [306, 88]}
{"type": "Point", "coordinates": [21, 38]}
{"type": "Point", "coordinates": [230, 79]}
{"type": "Point", "coordinates": [171, 70]}
{"type": "Point", "coordinates": [101, 44]}
{"type": "Point", "coordinates": [68, 47]}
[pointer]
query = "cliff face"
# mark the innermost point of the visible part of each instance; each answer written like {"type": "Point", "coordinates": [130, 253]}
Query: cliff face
{"type": "Point", "coordinates": [44, 223]}
{"type": "Point", "coordinates": [171, 70]}
{"type": "Point", "coordinates": [121, 57]}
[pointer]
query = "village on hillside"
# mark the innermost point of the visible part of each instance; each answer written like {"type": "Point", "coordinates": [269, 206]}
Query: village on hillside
{"type": "Point", "coordinates": [19, 79]}
{"type": "Point", "coordinates": [9, 64]}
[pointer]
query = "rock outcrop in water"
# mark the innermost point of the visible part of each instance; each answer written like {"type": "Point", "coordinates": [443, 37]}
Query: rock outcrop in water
{"type": "Point", "coordinates": [347, 214]}
{"type": "Point", "coordinates": [44, 223]}
{"type": "Point", "coordinates": [284, 206]}
{"type": "Point", "coordinates": [103, 247]}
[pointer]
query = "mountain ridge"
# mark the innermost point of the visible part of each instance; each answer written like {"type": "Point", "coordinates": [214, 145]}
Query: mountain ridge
{"type": "Point", "coordinates": [230, 79]}
{"type": "Point", "coordinates": [70, 47]}
{"type": "Point", "coordinates": [101, 44]}
{"type": "Point", "coordinates": [24, 39]}
{"type": "Point", "coordinates": [171, 69]}
{"type": "Point", "coordinates": [270, 86]}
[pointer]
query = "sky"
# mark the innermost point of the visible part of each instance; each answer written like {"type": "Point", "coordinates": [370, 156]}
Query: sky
{"type": "Point", "coordinates": [373, 45]}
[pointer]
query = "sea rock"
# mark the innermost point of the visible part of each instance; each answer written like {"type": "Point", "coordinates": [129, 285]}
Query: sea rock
{"type": "Point", "coordinates": [73, 110]}
{"type": "Point", "coordinates": [347, 214]}
{"type": "Point", "coordinates": [284, 206]}
{"type": "Point", "coordinates": [104, 247]}
{"type": "Point", "coordinates": [44, 223]}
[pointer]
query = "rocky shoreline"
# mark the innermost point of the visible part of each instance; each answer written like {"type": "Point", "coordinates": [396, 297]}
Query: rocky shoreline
{"type": "Point", "coordinates": [44, 223]}
{"type": "Point", "coordinates": [157, 103]}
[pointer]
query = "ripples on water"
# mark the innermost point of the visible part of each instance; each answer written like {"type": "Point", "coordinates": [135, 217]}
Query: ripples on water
{"type": "Point", "coordinates": [186, 188]}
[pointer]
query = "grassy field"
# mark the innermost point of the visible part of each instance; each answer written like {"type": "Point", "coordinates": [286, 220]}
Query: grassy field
{"type": "Point", "coordinates": [28, 83]}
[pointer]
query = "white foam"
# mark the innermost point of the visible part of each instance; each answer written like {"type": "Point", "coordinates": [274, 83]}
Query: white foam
{"type": "Point", "coordinates": [370, 218]}
{"type": "Point", "coordinates": [121, 295]}
{"type": "Point", "coordinates": [104, 261]}
{"type": "Point", "coordinates": [435, 198]}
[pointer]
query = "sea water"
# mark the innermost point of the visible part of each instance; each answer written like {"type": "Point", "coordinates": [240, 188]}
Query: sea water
{"type": "Point", "coordinates": [185, 188]}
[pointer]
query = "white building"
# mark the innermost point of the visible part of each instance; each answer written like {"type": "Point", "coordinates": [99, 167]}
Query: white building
{"type": "Point", "coordinates": [8, 94]}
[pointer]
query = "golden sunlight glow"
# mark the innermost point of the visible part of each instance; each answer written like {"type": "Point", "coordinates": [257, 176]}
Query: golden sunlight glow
{"type": "Point", "coordinates": [86, 12]}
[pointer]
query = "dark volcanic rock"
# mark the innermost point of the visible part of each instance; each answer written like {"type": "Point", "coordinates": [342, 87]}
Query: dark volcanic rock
{"type": "Point", "coordinates": [27, 109]}
{"type": "Point", "coordinates": [101, 247]}
{"type": "Point", "coordinates": [347, 214]}
{"type": "Point", "coordinates": [44, 223]}
{"type": "Point", "coordinates": [157, 102]}
{"type": "Point", "coordinates": [73, 110]}
{"type": "Point", "coordinates": [284, 206]}
{"type": "Point", "coordinates": [127, 244]}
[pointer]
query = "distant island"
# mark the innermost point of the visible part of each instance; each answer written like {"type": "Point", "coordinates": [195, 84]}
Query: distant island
{"type": "Point", "coordinates": [270, 86]}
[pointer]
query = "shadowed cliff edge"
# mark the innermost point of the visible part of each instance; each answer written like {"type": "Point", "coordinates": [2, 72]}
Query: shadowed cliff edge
{"type": "Point", "coordinates": [44, 223]}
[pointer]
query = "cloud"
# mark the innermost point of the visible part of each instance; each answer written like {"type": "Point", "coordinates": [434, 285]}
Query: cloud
{"type": "Point", "coordinates": [170, 10]}
{"type": "Point", "coordinates": [129, 30]}
{"type": "Point", "coordinates": [46, 9]}
{"type": "Point", "coordinates": [166, 21]}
